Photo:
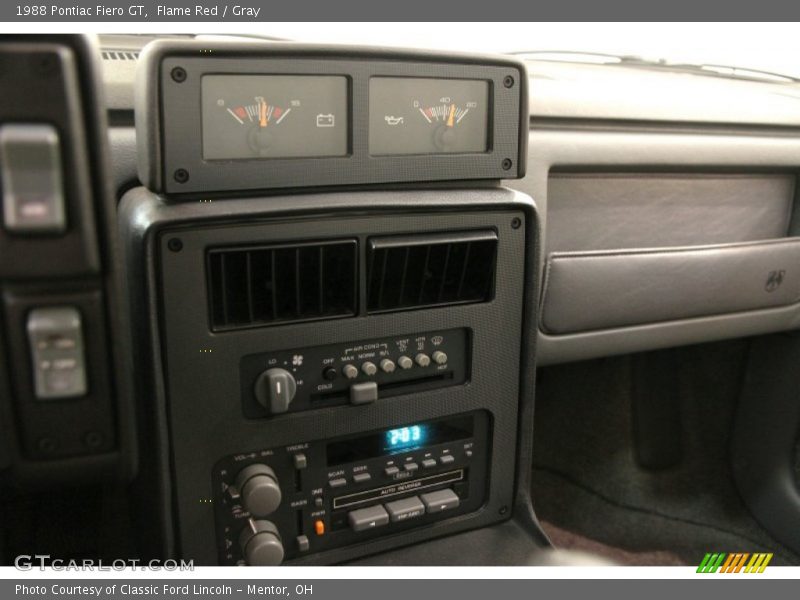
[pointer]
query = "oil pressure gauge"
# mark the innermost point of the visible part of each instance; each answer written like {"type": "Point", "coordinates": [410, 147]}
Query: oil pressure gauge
{"type": "Point", "coordinates": [428, 116]}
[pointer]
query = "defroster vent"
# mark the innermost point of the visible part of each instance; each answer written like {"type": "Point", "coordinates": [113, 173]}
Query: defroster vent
{"type": "Point", "coordinates": [413, 271]}
{"type": "Point", "coordinates": [266, 285]}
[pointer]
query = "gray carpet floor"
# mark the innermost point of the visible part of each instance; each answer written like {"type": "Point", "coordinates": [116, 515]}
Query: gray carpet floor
{"type": "Point", "coordinates": [592, 495]}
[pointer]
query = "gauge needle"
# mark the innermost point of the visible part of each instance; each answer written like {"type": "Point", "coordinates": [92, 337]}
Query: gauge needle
{"type": "Point", "coordinates": [452, 114]}
{"type": "Point", "coordinates": [262, 114]}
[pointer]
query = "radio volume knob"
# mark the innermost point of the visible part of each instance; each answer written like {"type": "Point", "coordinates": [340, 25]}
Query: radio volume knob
{"type": "Point", "coordinates": [261, 544]}
{"type": "Point", "coordinates": [259, 489]}
{"type": "Point", "coordinates": [275, 390]}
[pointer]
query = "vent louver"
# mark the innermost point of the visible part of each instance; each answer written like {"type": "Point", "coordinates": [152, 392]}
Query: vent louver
{"type": "Point", "coordinates": [119, 55]}
{"type": "Point", "coordinates": [406, 272]}
{"type": "Point", "coordinates": [267, 285]}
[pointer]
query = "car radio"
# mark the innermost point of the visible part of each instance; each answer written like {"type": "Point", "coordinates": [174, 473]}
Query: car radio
{"type": "Point", "coordinates": [276, 504]}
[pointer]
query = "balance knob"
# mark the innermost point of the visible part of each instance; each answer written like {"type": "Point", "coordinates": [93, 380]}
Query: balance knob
{"type": "Point", "coordinates": [275, 389]}
{"type": "Point", "coordinates": [259, 490]}
{"type": "Point", "coordinates": [261, 544]}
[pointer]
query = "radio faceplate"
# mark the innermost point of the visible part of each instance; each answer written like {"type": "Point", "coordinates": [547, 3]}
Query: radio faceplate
{"type": "Point", "coordinates": [326, 494]}
{"type": "Point", "coordinates": [357, 372]}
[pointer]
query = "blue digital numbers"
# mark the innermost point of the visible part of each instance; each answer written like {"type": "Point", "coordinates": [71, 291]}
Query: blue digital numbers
{"type": "Point", "coordinates": [405, 437]}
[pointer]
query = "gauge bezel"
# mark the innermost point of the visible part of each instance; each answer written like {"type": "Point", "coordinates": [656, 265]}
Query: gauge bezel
{"type": "Point", "coordinates": [168, 117]}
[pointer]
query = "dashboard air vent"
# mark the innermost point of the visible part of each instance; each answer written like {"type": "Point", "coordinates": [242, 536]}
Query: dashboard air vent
{"type": "Point", "coordinates": [119, 55]}
{"type": "Point", "coordinates": [413, 271]}
{"type": "Point", "coordinates": [268, 285]}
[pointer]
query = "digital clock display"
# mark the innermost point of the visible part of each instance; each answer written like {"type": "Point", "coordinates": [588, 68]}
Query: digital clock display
{"type": "Point", "coordinates": [386, 442]}
{"type": "Point", "coordinates": [406, 437]}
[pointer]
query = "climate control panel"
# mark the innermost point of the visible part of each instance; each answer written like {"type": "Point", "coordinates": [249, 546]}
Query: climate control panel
{"type": "Point", "coordinates": [281, 503]}
{"type": "Point", "coordinates": [352, 373]}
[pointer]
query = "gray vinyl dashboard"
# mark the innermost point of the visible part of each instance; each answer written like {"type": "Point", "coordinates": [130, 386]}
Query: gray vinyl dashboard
{"type": "Point", "coordinates": [703, 265]}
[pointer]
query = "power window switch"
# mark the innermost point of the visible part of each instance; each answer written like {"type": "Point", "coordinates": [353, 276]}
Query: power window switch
{"type": "Point", "coordinates": [55, 335]}
{"type": "Point", "coordinates": [32, 179]}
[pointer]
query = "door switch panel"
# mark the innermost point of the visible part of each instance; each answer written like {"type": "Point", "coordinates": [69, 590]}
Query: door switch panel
{"type": "Point", "coordinates": [30, 169]}
{"type": "Point", "coordinates": [55, 335]}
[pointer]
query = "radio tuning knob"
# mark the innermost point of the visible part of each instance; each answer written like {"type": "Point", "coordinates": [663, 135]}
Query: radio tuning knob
{"type": "Point", "coordinates": [261, 544]}
{"type": "Point", "coordinates": [275, 390]}
{"type": "Point", "coordinates": [259, 489]}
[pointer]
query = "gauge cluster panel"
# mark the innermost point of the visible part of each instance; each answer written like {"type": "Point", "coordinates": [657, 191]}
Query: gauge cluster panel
{"type": "Point", "coordinates": [258, 116]}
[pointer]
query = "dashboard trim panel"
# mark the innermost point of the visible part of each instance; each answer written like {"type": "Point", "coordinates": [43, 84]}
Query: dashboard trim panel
{"type": "Point", "coordinates": [168, 118]}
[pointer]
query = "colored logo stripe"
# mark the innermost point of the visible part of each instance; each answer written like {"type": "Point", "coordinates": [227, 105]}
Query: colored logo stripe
{"type": "Point", "coordinates": [734, 563]}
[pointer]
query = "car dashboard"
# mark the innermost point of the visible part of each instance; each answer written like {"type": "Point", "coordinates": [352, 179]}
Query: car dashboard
{"type": "Point", "coordinates": [285, 303]}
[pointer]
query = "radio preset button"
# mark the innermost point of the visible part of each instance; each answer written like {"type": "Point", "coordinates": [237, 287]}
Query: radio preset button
{"type": "Point", "coordinates": [447, 459]}
{"type": "Point", "coordinates": [428, 463]}
{"type": "Point", "coordinates": [337, 483]}
{"type": "Point", "coordinates": [423, 360]}
{"type": "Point", "coordinates": [405, 362]}
{"type": "Point", "coordinates": [439, 501]}
{"type": "Point", "coordinates": [350, 371]}
{"type": "Point", "coordinates": [391, 471]}
{"type": "Point", "coordinates": [368, 518]}
{"type": "Point", "coordinates": [411, 466]}
{"type": "Point", "coordinates": [361, 477]}
{"type": "Point", "coordinates": [407, 508]}
{"type": "Point", "coordinates": [387, 365]}
{"type": "Point", "coordinates": [439, 357]}
{"type": "Point", "coordinates": [369, 368]}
